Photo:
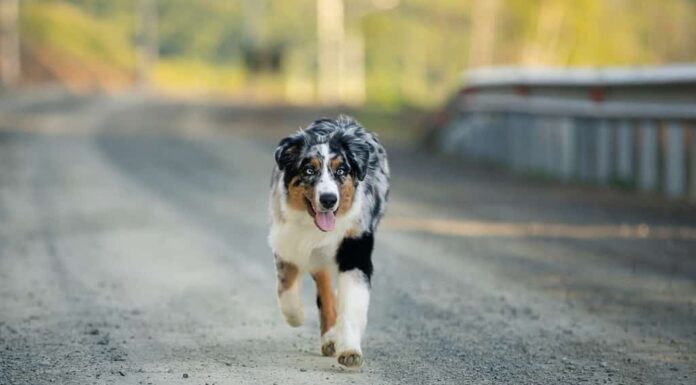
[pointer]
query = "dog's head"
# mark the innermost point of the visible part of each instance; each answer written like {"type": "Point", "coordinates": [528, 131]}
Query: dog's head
{"type": "Point", "coordinates": [322, 167]}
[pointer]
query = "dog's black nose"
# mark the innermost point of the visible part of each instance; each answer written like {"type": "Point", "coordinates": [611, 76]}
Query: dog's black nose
{"type": "Point", "coordinates": [328, 200]}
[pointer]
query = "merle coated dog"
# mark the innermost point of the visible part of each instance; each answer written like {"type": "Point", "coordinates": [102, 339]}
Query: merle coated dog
{"type": "Point", "coordinates": [328, 192]}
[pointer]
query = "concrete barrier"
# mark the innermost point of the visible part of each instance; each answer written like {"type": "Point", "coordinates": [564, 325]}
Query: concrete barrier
{"type": "Point", "coordinates": [628, 127]}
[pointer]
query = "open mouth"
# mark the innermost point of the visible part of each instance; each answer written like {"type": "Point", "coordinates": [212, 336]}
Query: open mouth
{"type": "Point", "coordinates": [325, 220]}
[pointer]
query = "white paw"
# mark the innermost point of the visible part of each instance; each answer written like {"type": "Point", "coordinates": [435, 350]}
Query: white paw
{"type": "Point", "coordinates": [350, 358]}
{"type": "Point", "coordinates": [328, 343]}
{"type": "Point", "coordinates": [291, 307]}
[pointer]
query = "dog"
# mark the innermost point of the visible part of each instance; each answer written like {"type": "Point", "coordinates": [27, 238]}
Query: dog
{"type": "Point", "coordinates": [329, 190]}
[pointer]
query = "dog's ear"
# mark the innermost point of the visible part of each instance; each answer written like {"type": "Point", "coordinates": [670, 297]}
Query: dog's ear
{"type": "Point", "coordinates": [288, 150]}
{"type": "Point", "coordinates": [358, 153]}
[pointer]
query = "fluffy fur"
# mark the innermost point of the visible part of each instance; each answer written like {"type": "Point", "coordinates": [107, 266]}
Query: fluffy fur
{"type": "Point", "coordinates": [328, 193]}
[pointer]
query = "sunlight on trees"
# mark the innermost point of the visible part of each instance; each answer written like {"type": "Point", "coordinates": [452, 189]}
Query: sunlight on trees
{"type": "Point", "coordinates": [388, 52]}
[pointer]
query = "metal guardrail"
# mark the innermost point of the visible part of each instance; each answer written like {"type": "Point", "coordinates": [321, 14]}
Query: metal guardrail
{"type": "Point", "coordinates": [630, 127]}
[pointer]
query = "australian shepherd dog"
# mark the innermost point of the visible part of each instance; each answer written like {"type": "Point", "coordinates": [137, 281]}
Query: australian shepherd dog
{"type": "Point", "coordinates": [328, 192]}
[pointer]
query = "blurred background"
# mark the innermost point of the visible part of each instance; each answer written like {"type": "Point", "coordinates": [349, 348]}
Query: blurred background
{"type": "Point", "coordinates": [386, 53]}
{"type": "Point", "coordinates": [541, 225]}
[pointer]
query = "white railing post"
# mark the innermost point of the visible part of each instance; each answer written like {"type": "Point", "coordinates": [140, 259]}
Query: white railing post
{"type": "Point", "coordinates": [567, 163]}
{"type": "Point", "coordinates": [648, 156]}
{"type": "Point", "coordinates": [692, 166]}
{"type": "Point", "coordinates": [674, 166]}
{"type": "Point", "coordinates": [603, 158]}
{"type": "Point", "coordinates": [624, 152]}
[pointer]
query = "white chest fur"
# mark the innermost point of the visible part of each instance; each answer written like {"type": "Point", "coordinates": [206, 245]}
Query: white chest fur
{"type": "Point", "coordinates": [297, 239]}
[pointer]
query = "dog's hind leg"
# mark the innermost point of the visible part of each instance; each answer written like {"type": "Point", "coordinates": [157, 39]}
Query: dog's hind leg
{"type": "Point", "coordinates": [326, 302]}
{"type": "Point", "coordinates": [355, 269]}
{"type": "Point", "coordinates": [289, 298]}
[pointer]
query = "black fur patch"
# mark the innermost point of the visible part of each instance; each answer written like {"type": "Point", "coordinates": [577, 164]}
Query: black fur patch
{"type": "Point", "coordinates": [289, 150]}
{"type": "Point", "coordinates": [287, 156]}
{"type": "Point", "coordinates": [356, 253]}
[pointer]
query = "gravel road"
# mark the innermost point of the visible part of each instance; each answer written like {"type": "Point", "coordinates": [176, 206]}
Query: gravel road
{"type": "Point", "coordinates": [133, 250]}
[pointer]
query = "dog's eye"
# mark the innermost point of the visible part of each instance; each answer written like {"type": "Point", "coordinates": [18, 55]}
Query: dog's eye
{"type": "Point", "coordinates": [308, 170]}
{"type": "Point", "coordinates": [341, 171]}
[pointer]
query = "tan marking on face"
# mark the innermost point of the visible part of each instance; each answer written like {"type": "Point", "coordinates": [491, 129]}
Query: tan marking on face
{"type": "Point", "coordinates": [346, 189]}
{"type": "Point", "coordinates": [316, 163]}
{"type": "Point", "coordinates": [297, 195]}
{"type": "Point", "coordinates": [335, 163]}
{"type": "Point", "coordinates": [327, 298]}
{"type": "Point", "coordinates": [347, 192]}
{"type": "Point", "coordinates": [287, 275]}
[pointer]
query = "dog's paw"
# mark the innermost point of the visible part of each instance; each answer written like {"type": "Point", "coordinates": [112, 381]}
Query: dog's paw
{"type": "Point", "coordinates": [294, 315]}
{"type": "Point", "coordinates": [291, 307]}
{"type": "Point", "coordinates": [350, 358]}
{"type": "Point", "coordinates": [328, 343]}
{"type": "Point", "coordinates": [294, 319]}
{"type": "Point", "coordinates": [328, 349]}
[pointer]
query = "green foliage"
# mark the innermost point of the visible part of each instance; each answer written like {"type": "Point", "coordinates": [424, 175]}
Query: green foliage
{"type": "Point", "coordinates": [66, 29]}
{"type": "Point", "coordinates": [205, 30]}
{"type": "Point", "coordinates": [197, 77]}
{"type": "Point", "coordinates": [415, 53]}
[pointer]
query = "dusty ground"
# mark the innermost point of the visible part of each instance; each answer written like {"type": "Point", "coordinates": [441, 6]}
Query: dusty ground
{"type": "Point", "coordinates": [132, 250]}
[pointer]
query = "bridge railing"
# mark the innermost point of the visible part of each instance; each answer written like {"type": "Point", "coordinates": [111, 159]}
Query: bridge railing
{"type": "Point", "coordinates": [630, 127]}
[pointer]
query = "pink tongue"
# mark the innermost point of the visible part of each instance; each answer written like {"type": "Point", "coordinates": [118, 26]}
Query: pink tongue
{"type": "Point", "coordinates": [325, 221]}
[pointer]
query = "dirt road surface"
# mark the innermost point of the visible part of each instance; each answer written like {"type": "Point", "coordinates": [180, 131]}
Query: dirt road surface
{"type": "Point", "coordinates": [133, 250]}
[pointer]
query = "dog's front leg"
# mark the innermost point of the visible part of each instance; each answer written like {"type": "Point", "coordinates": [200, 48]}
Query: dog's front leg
{"type": "Point", "coordinates": [326, 301]}
{"type": "Point", "coordinates": [289, 298]}
{"type": "Point", "coordinates": [355, 269]}
{"type": "Point", "coordinates": [353, 301]}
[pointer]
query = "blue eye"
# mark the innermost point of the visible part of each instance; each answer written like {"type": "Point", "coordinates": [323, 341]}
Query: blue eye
{"type": "Point", "coordinates": [308, 170]}
{"type": "Point", "coordinates": [341, 171]}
